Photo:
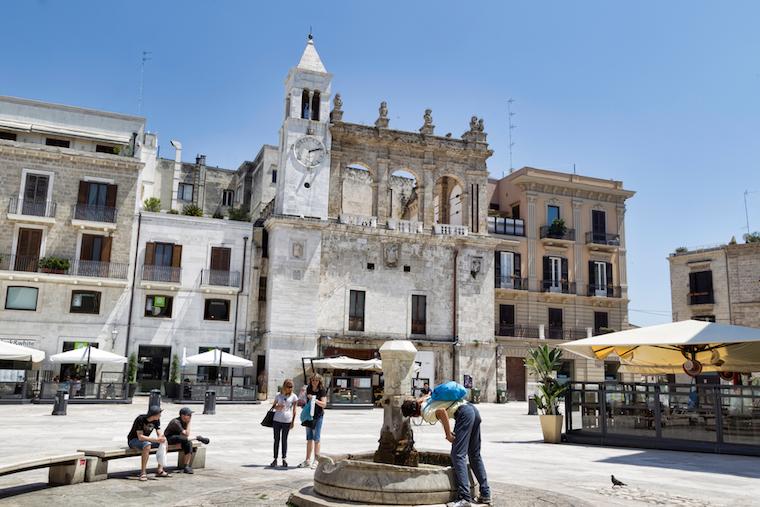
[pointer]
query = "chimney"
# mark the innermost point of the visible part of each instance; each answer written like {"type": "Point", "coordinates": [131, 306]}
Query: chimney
{"type": "Point", "coordinates": [200, 160]}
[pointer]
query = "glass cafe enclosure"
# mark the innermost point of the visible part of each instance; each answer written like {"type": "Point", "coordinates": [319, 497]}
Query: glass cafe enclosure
{"type": "Point", "coordinates": [706, 417]}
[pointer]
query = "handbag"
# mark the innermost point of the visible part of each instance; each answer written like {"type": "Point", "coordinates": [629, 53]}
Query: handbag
{"type": "Point", "coordinates": [268, 420]}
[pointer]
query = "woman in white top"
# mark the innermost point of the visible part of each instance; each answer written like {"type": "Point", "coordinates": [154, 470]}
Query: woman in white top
{"type": "Point", "coordinates": [284, 416]}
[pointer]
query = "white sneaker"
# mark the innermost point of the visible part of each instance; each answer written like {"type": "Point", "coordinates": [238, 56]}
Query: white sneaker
{"type": "Point", "coordinates": [314, 464]}
{"type": "Point", "coordinates": [459, 503]}
{"type": "Point", "coordinates": [305, 464]}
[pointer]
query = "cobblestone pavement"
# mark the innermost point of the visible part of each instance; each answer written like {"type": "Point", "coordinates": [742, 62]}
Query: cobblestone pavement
{"type": "Point", "coordinates": [522, 469]}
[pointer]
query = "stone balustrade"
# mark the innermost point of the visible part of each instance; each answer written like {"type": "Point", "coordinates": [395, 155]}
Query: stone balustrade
{"type": "Point", "coordinates": [407, 226]}
{"type": "Point", "coordinates": [360, 220]}
{"type": "Point", "coordinates": [450, 230]}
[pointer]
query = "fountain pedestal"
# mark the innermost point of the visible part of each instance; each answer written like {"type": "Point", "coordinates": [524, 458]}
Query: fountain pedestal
{"type": "Point", "coordinates": [396, 437]}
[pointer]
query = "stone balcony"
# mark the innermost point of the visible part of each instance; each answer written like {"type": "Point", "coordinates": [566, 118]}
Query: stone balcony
{"type": "Point", "coordinates": [358, 220]}
{"type": "Point", "coordinates": [450, 230]}
{"type": "Point", "coordinates": [407, 226]}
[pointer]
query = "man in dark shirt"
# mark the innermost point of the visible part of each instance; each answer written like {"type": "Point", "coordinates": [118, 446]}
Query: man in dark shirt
{"type": "Point", "coordinates": [178, 432]}
{"type": "Point", "coordinates": [139, 438]}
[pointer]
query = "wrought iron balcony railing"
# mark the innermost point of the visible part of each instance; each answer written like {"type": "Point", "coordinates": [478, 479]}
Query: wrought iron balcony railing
{"type": "Point", "coordinates": [220, 278]}
{"type": "Point", "coordinates": [602, 238]}
{"type": "Point", "coordinates": [167, 274]}
{"type": "Point", "coordinates": [95, 213]}
{"type": "Point", "coordinates": [31, 207]}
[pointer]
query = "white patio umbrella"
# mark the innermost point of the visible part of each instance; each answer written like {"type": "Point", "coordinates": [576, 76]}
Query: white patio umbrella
{"type": "Point", "coordinates": [690, 346]}
{"type": "Point", "coordinates": [88, 355]}
{"type": "Point", "coordinates": [13, 352]}
{"type": "Point", "coordinates": [219, 358]}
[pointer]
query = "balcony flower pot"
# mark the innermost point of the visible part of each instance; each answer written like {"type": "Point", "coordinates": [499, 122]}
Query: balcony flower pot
{"type": "Point", "coordinates": [557, 229]}
{"type": "Point", "coordinates": [551, 426]}
{"type": "Point", "coordinates": [55, 265]}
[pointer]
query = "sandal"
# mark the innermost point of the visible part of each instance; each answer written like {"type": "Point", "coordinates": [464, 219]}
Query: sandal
{"type": "Point", "coordinates": [163, 473]}
{"type": "Point", "coordinates": [143, 477]}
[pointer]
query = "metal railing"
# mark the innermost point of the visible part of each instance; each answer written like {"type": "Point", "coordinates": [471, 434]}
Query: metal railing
{"type": "Point", "coordinates": [546, 231]}
{"type": "Point", "coordinates": [95, 213]}
{"type": "Point", "coordinates": [161, 274]}
{"type": "Point", "coordinates": [603, 238]}
{"type": "Point", "coordinates": [86, 390]}
{"type": "Point", "coordinates": [687, 417]}
{"type": "Point", "coordinates": [226, 392]}
{"type": "Point", "coordinates": [507, 226]}
{"type": "Point", "coordinates": [99, 269]}
{"type": "Point", "coordinates": [26, 263]}
{"type": "Point", "coordinates": [558, 286]}
{"type": "Point", "coordinates": [511, 282]}
{"type": "Point", "coordinates": [517, 331]}
{"type": "Point", "coordinates": [20, 390]}
{"type": "Point", "coordinates": [220, 278]}
{"type": "Point", "coordinates": [608, 291]}
{"type": "Point", "coordinates": [31, 207]}
{"type": "Point", "coordinates": [701, 298]}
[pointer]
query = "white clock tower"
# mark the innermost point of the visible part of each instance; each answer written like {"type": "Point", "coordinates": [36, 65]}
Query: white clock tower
{"type": "Point", "coordinates": [304, 170]}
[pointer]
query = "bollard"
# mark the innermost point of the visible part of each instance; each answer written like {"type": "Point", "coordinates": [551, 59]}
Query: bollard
{"type": "Point", "coordinates": [209, 403]}
{"type": "Point", "coordinates": [61, 401]}
{"type": "Point", "coordinates": [155, 398]}
{"type": "Point", "coordinates": [501, 396]}
{"type": "Point", "coordinates": [532, 409]}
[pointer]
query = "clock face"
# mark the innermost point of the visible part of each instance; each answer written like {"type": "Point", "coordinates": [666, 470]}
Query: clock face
{"type": "Point", "coordinates": [309, 151]}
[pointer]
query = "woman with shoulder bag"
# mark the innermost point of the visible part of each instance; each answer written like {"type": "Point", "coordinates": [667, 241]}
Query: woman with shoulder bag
{"type": "Point", "coordinates": [317, 397]}
{"type": "Point", "coordinates": [284, 407]}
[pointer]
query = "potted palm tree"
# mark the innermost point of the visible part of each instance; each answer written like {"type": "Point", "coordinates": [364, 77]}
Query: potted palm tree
{"type": "Point", "coordinates": [132, 375]}
{"type": "Point", "coordinates": [543, 363]}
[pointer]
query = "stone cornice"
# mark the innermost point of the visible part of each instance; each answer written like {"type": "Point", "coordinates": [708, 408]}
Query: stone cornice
{"type": "Point", "coordinates": [558, 189]}
{"type": "Point", "coordinates": [47, 154]}
{"type": "Point", "coordinates": [345, 135]}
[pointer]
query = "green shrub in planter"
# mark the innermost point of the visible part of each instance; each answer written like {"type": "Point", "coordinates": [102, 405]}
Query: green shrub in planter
{"type": "Point", "coordinates": [152, 204]}
{"type": "Point", "coordinates": [173, 212]}
{"type": "Point", "coordinates": [218, 214]}
{"type": "Point", "coordinates": [192, 210]}
{"type": "Point", "coordinates": [239, 214]}
{"type": "Point", "coordinates": [53, 264]}
{"type": "Point", "coordinates": [558, 228]}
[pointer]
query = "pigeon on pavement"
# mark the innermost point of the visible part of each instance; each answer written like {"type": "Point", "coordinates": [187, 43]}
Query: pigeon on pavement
{"type": "Point", "coordinates": [616, 482]}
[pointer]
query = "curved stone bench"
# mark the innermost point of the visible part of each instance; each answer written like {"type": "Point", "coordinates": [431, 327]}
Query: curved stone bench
{"type": "Point", "coordinates": [97, 459]}
{"type": "Point", "coordinates": [64, 468]}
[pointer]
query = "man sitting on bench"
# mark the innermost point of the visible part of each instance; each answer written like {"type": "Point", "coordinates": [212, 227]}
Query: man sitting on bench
{"type": "Point", "coordinates": [178, 432]}
{"type": "Point", "coordinates": [139, 438]}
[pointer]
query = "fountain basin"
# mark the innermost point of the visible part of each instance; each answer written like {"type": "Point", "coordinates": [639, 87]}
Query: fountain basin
{"type": "Point", "coordinates": [356, 478]}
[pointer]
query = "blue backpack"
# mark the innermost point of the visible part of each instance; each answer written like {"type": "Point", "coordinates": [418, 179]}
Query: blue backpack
{"type": "Point", "coordinates": [450, 391]}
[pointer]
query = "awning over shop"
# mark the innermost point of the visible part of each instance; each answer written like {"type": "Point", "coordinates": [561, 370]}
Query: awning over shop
{"type": "Point", "coordinates": [88, 355]}
{"type": "Point", "coordinates": [216, 357]}
{"type": "Point", "coordinates": [13, 352]}
{"type": "Point", "coordinates": [689, 346]}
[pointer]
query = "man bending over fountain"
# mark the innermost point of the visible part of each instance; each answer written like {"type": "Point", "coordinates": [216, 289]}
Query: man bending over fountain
{"type": "Point", "coordinates": [465, 439]}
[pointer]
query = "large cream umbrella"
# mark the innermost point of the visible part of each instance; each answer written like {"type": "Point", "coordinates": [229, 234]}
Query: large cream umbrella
{"type": "Point", "coordinates": [690, 346]}
{"type": "Point", "coordinates": [88, 355]}
{"type": "Point", "coordinates": [13, 352]}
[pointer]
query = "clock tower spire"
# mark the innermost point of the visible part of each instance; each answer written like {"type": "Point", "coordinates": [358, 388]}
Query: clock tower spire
{"type": "Point", "coordinates": [304, 170]}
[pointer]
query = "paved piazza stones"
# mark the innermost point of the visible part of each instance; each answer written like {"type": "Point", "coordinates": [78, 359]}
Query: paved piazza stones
{"type": "Point", "coordinates": [522, 469]}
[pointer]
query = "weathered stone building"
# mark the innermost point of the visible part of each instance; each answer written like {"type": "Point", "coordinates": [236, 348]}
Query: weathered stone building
{"type": "Point", "coordinates": [68, 184]}
{"type": "Point", "coordinates": [718, 284]}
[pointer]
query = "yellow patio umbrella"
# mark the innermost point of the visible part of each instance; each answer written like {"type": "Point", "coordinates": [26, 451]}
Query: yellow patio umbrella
{"type": "Point", "coordinates": [688, 346]}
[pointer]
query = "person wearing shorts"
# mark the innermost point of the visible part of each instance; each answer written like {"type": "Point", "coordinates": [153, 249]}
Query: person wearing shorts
{"type": "Point", "coordinates": [139, 438]}
{"type": "Point", "coordinates": [317, 394]}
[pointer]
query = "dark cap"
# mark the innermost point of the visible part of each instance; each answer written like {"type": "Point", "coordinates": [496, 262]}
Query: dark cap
{"type": "Point", "coordinates": [154, 410]}
{"type": "Point", "coordinates": [185, 411]}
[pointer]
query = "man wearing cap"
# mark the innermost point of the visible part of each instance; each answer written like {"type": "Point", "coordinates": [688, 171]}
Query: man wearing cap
{"type": "Point", "coordinates": [139, 438]}
{"type": "Point", "coordinates": [178, 432]}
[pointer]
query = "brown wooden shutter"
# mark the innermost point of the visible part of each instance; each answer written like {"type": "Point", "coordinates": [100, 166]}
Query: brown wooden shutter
{"type": "Point", "coordinates": [85, 250]}
{"type": "Point", "coordinates": [111, 196]}
{"type": "Point", "coordinates": [176, 256]}
{"type": "Point", "coordinates": [220, 259]}
{"type": "Point", "coordinates": [105, 251]}
{"type": "Point", "coordinates": [150, 254]}
{"type": "Point", "coordinates": [84, 188]}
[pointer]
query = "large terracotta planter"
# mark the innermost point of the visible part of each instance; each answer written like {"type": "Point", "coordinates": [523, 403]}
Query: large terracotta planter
{"type": "Point", "coordinates": [551, 425]}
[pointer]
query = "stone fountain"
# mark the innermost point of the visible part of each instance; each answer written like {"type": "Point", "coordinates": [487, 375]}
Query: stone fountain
{"type": "Point", "coordinates": [396, 473]}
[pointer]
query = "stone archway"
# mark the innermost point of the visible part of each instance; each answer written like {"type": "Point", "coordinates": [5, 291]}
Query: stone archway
{"type": "Point", "coordinates": [449, 201]}
{"type": "Point", "coordinates": [403, 197]}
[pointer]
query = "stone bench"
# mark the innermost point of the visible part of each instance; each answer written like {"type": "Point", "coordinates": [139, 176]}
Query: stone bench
{"type": "Point", "coordinates": [97, 459]}
{"type": "Point", "coordinates": [64, 468]}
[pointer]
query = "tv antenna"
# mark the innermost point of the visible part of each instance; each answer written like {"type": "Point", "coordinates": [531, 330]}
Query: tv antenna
{"type": "Point", "coordinates": [512, 126]}
{"type": "Point", "coordinates": [145, 58]}
{"type": "Point", "coordinates": [746, 211]}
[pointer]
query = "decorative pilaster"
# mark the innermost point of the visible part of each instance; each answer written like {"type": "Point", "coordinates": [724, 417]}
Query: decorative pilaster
{"type": "Point", "coordinates": [428, 196]}
{"type": "Point", "coordinates": [578, 276]}
{"type": "Point", "coordinates": [381, 191]}
{"type": "Point", "coordinates": [530, 230]}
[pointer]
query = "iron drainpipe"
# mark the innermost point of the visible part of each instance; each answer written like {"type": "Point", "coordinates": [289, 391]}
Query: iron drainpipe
{"type": "Point", "coordinates": [237, 298]}
{"type": "Point", "coordinates": [132, 294]}
{"type": "Point", "coordinates": [454, 348]}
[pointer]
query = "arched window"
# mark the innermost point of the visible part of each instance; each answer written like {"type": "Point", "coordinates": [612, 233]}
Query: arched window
{"type": "Point", "coordinates": [315, 106]}
{"type": "Point", "coordinates": [305, 104]}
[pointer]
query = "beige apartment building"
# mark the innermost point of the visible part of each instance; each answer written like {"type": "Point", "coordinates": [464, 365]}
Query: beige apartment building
{"type": "Point", "coordinates": [717, 284]}
{"type": "Point", "coordinates": [560, 266]}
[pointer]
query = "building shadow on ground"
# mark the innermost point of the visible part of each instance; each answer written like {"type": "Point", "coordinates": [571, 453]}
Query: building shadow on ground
{"type": "Point", "coordinates": [22, 489]}
{"type": "Point", "coordinates": [742, 466]}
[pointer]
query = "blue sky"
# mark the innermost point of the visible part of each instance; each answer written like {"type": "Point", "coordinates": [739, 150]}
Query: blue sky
{"type": "Point", "coordinates": [662, 95]}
